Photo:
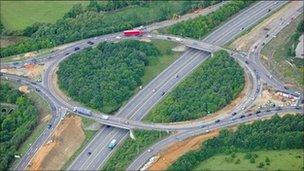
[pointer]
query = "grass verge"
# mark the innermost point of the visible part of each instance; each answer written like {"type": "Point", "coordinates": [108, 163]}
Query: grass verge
{"type": "Point", "coordinates": [275, 56]}
{"type": "Point", "coordinates": [127, 152]}
{"type": "Point", "coordinates": [88, 136]}
{"type": "Point", "coordinates": [44, 111]}
{"type": "Point", "coordinates": [278, 160]}
{"type": "Point", "coordinates": [157, 65]}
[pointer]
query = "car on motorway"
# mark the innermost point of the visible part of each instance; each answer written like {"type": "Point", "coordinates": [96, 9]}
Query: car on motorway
{"type": "Point", "coordinates": [112, 144]}
{"type": "Point", "coordinates": [49, 126]}
{"type": "Point", "coordinates": [90, 43]}
{"type": "Point", "coordinates": [163, 93]}
{"type": "Point", "coordinates": [242, 116]}
{"type": "Point", "coordinates": [89, 153]}
{"type": "Point", "coordinates": [247, 62]}
{"type": "Point", "coordinates": [250, 114]}
{"type": "Point", "coordinates": [150, 150]}
{"type": "Point", "coordinates": [66, 54]}
{"type": "Point", "coordinates": [242, 28]}
{"type": "Point", "coordinates": [118, 37]}
{"type": "Point", "coordinates": [76, 48]}
{"type": "Point", "coordinates": [234, 113]}
{"type": "Point", "coordinates": [217, 121]}
{"type": "Point", "coordinates": [258, 111]}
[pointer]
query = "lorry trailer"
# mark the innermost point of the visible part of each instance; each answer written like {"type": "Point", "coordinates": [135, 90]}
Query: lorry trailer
{"type": "Point", "coordinates": [82, 111]}
{"type": "Point", "coordinates": [134, 32]}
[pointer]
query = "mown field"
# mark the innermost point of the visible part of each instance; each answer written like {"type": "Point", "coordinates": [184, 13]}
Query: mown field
{"type": "Point", "coordinates": [17, 15]}
{"type": "Point", "coordinates": [278, 160]}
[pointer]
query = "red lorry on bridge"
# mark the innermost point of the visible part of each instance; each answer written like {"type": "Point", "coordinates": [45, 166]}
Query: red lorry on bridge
{"type": "Point", "coordinates": [134, 32]}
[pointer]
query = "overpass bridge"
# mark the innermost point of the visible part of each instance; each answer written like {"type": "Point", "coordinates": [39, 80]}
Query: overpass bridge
{"type": "Point", "coordinates": [188, 42]}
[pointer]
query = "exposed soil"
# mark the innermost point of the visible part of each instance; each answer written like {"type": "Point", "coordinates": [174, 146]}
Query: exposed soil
{"type": "Point", "coordinates": [66, 139]}
{"type": "Point", "coordinates": [178, 149]}
{"type": "Point", "coordinates": [268, 96]}
{"type": "Point", "coordinates": [32, 71]}
{"type": "Point", "coordinates": [244, 42]}
{"type": "Point", "coordinates": [24, 89]}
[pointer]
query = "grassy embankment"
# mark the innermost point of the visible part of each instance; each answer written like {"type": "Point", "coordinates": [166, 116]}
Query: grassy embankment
{"type": "Point", "coordinates": [44, 111]}
{"type": "Point", "coordinates": [275, 56]}
{"type": "Point", "coordinates": [279, 160]}
{"type": "Point", "coordinates": [127, 152]}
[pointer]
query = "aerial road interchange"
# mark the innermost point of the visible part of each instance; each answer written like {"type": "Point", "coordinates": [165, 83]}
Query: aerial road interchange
{"type": "Point", "coordinates": [129, 116]}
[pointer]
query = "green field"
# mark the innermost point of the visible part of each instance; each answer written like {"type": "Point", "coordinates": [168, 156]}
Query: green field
{"type": "Point", "coordinates": [17, 15]}
{"type": "Point", "coordinates": [279, 160]}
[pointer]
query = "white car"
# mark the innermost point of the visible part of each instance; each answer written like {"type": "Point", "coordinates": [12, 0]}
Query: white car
{"type": "Point", "coordinates": [149, 36]}
{"type": "Point", "coordinates": [118, 37]}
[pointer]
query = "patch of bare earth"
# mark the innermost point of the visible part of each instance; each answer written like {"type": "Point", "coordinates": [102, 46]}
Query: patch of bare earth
{"type": "Point", "coordinates": [269, 96]}
{"type": "Point", "coordinates": [244, 42]}
{"type": "Point", "coordinates": [66, 139]}
{"type": "Point", "coordinates": [32, 71]}
{"type": "Point", "coordinates": [178, 149]}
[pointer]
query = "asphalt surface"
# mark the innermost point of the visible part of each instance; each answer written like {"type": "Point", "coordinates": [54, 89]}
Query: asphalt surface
{"type": "Point", "coordinates": [141, 103]}
{"type": "Point", "coordinates": [219, 37]}
{"type": "Point", "coordinates": [163, 144]}
{"type": "Point", "coordinates": [53, 60]}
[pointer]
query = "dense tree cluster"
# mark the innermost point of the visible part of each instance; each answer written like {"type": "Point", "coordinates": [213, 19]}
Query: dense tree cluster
{"type": "Point", "coordinates": [274, 134]}
{"type": "Point", "coordinates": [16, 126]}
{"type": "Point", "coordinates": [84, 22]}
{"type": "Point", "coordinates": [212, 86]}
{"type": "Point", "coordinates": [293, 42]}
{"type": "Point", "coordinates": [201, 26]}
{"type": "Point", "coordinates": [104, 77]}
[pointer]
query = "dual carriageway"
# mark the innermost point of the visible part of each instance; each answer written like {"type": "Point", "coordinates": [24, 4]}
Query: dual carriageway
{"type": "Point", "coordinates": [129, 116]}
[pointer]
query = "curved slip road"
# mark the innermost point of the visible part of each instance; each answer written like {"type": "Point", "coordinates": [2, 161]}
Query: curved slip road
{"type": "Point", "coordinates": [221, 36]}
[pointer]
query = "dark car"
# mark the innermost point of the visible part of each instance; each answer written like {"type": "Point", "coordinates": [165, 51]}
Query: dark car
{"type": "Point", "coordinates": [242, 116]}
{"type": "Point", "coordinates": [37, 90]}
{"type": "Point", "coordinates": [89, 153]}
{"type": "Point", "coordinates": [163, 93]}
{"type": "Point", "coordinates": [246, 62]}
{"type": "Point", "coordinates": [258, 111]}
{"type": "Point", "coordinates": [66, 54]}
{"type": "Point", "coordinates": [250, 114]}
{"type": "Point", "coordinates": [49, 126]}
{"type": "Point", "coordinates": [217, 121]}
{"type": "Point", "coordinates": [90, 43]}
{"type": "Point", "coordinates": [267, 35]}
{"type": "Point", "coordinates": [76, 48]}
{"type": "Point", "coordinates": [234, 113]}
{"type": "Point", "coordinates": [269, 10]}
